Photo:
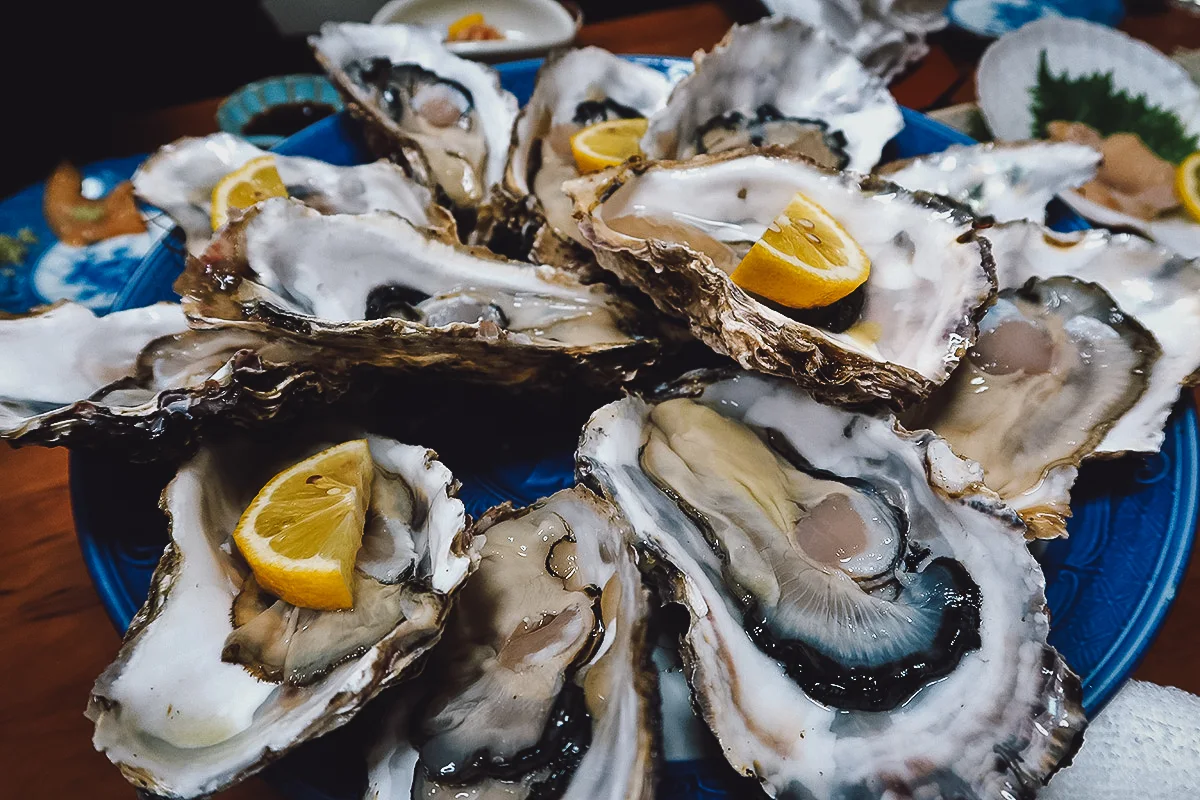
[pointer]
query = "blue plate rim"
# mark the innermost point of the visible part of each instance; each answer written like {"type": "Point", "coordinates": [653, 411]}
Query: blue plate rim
{"type": "Point", "coordinates": [1114, 669]}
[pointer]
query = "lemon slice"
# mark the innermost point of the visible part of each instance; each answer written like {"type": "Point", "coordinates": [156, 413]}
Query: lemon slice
{"type": "Point", "coordinates": [607, 144]}
{"type": "Point", "coordinates": [1187, 184]}
{"type": "Point", "coordinates": [254, 181]}
{"type": "Point", "coordinates": [804, 260]}
{"type": "Point", "coordinates": [462, 24]}
{"type": "Point", "coordinates": [302, 531]}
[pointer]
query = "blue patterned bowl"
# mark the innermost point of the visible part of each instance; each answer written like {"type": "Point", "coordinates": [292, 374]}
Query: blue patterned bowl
{"type": "Point", "coordinates": [241, 107]}
{"type": "Point", "coordinates": [1109, 583]}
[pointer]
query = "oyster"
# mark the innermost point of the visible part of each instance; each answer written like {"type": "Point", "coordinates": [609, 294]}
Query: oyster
{"type": "Point", "coordinates": [540, 687]}
{"type": "Point", "coordinates": [140, 381]}
{"type": "Point", "coordinates": [778, 82]}
{"type": "Point", "coordinates": [1158, 288]}
{"type": "Point", "coordinates": [444, 117]}
{"type": "Point", "coordinates": [1055, 367]}
{"type": "Point", "coordinates": [676, 230]}
{"type": "Point", "coordinates": [180, 178]}
{"type": "Point", "coordinates": [215, 679]}
{"type": "Point", "coordinates": [382, 292]}
{"type": "Point", "coordinates": [1007, 182]}
{"type": "Point", "coordinates": [528, 215]}
{"type": "Point", "coordinates": [866, 620]}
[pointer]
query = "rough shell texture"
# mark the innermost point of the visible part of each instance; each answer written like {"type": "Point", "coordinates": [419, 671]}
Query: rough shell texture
{"type": "Point", "coordinates": [1158, 288]}
{"type": "Point", "coordinates": [996, 725]}
{"type": "Point", "coordinates": [180, 177]}
{"type": "Point", "coordinates": [798, 72]}
{"type": "Point", "coordinates": [269, 271]}
{"type": "Point", "coordinates": [181, 722]}
{"type": "Point", "coordinates": [947, 263]}
{"type": "Point", "coordinates": [138, 382]}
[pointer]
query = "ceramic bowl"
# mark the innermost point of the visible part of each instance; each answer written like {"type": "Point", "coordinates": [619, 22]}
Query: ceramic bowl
{"type": "Point", "coordinates": [241, 107]}
{"type": "Point", "coordinates": [530, 27]}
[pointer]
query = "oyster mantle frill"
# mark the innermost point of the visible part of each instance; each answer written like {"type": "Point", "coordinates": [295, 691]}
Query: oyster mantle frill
{"type": "Point", "coordinates": [865, 618]}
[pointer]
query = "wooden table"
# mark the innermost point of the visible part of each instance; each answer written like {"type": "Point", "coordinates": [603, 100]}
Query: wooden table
{"type": "Point", "coordinates": [54, 633]}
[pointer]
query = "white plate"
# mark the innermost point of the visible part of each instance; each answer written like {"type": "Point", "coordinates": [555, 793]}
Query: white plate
{"type": "Point", "coordinates": [530, 27]}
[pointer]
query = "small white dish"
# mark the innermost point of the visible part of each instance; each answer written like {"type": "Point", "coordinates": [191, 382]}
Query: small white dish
{"type": "Point", "coordinates": [530, 27]}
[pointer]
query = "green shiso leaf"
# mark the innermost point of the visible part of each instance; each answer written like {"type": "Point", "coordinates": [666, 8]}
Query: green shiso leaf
{"type": "Point", "coordinates": [1095, 101]}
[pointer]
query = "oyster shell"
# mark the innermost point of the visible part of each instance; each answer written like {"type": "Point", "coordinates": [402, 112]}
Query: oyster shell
{"type": "Point", "coordinates": [180, 178]}
{"type": "Point", "coordinates": [445, 117]}
{"type": "Point", "coordinates": [675, 231]}
{"type": "Point", "coordinates": [138, 380]}
{"type": "Point", "coordinates": [528, 215]}
{"type": "Point", "coordinates": [540, 687]}
{"type": "Point", "coordinates": [1158, 288]}
{"type": "Point", "coordinates": [866, 620]}
{"type": "Point", "coordinates": [1008, 182]}
{"type": "Point", "coordinates": [382, 292]}
{"type": "Point", "coordinates": [179, 716]}
{"type": "Point", "coordinates": [1055, 367]}
{"type": "Point", "coordinates": [777, 82]}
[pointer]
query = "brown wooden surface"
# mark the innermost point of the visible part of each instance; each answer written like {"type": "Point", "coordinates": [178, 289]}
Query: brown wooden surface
{"type": "Point", "coordinates": [53, 630]}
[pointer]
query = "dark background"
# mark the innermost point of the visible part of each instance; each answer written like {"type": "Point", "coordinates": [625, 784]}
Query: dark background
{"type": "Point", "coordinates": [72, 72]}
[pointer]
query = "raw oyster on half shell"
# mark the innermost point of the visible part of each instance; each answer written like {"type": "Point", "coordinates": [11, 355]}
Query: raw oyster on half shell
{"type": "Point", "coordinates": [444, 117]}
{"type": "Point", "coordinates": [540, 687]}
{"type": "Point", "coordinates": [216, 679]}
{"type": "Point", "coordinates": [140, 382]}
{"type": "Point", "coordinates": [866, 619]}
{"type": "Point", "coordinates": [1055, 367]}
{"type": "Point", "coordinates": [181, 176]}
{"type": "Point", "coordinates": [1151, 284]}
{"type": "Point", "coordinates": [676, 230]}
{"type": "Point", "coordinates": [528, 214]}
{"type": "Point", "coordinates": [1004, 181]}
{"type": "Point", "coordinates": [777, 82]}
{"type": "Point", "coordinates": [384, 293]}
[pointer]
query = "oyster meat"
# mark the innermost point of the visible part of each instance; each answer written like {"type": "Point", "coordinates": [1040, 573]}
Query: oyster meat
{"type": "Point", "coordinates": [540, 687]}
{"type": "Point", "coordinates": [181, 176]}
{"type": "Point", "coordinates": [387, 294]}
{"type": "Point", "coordinates": [778, 82]}
{"type": "Point", "coordinates": [528, 214]}
{"type": "Point", "coordinates": [1151, 284]}
{"type": "Point", "coordinates": [865, 618]}
{"type": "Point", "coordinates": [140, 382]}
{"type": "Point", "coordinates": [1005, 181]}
{"type": "Point", "coordinates": [1056, 365]}
{"type": "Point", "coordinates": [676, 231]}
{"type": "Point", "coordinates": [445, 117]}
{"type": "Point", "coordinates": [216, 678]}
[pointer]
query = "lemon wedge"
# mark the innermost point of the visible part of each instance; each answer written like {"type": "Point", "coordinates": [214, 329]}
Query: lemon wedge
{"type": "Point", "coordinates": [1187, 184]}
{"type": "Point", "coordinates": [607, 144]}
{"type": "Point", "coordinates": [302, 531]}
{"type": "Point", "coordinates": [805, 259]}
{"type": "Point", "coordinates": [254, 181]}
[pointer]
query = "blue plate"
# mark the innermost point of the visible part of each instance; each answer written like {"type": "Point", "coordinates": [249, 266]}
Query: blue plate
{"type": "Point", "coordinates": [1109, 584]}
{"type": "Point", "coordinates": [36, 268]}
{"type": "Point", "coordinates": [994, 18]}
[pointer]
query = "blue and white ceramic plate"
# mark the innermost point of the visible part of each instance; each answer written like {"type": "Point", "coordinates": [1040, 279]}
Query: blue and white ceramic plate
{"type": "Point", "coordinates": [994, 18]}
{"type": "Point", "coordinates": [36, 268]}
{"type": "Point", "coordinates": [1109, 584]}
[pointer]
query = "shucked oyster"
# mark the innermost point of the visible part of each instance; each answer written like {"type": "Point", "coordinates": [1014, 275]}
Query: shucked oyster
{"type": "Point", "coordinates": [1008, 182]}
{"type": "Point", "coordinates": [382, 292]}
{"type": "Point", "coordinates": [1056, 366]}
{"type": "Point", "coordinates": [140, 381]}
{"type": "Point", "coordinates": [540, 687]}
{"type": "Point", "coordinates": [180, 178]}
{"type": "Point", "coordinates": [528, 214]}
{"type": "Point", "coordinates": [447, 118]}
{"type": "Point", "coordinates": [1149, 283]}
{"type": "Point", "coordinates": [216, 679]}
{"type": "Point", "coordinates": [778, 82]}
{"type": "Point", "coordinates": [866, 621]}
{"type": "Point", "coordinates": [676, 231]}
